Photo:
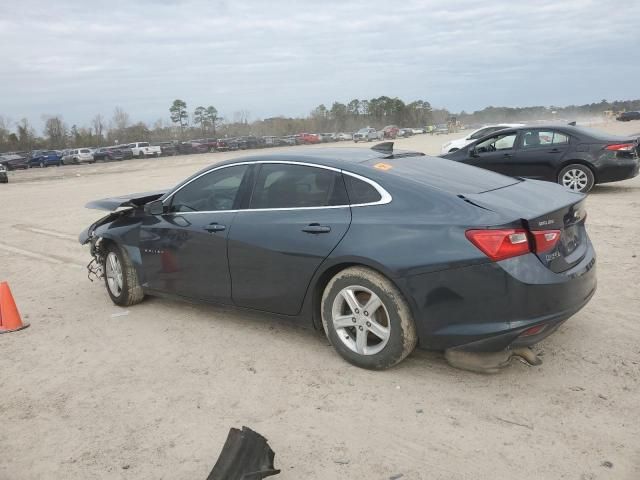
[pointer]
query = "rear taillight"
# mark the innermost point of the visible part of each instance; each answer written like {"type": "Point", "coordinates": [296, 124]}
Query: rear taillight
{"type": "Point", "coordinates": [621, 147]}
{"type": "Point", "coordinates": [500, 244]}
{"type": "Point", "coordinates": [545, 240]}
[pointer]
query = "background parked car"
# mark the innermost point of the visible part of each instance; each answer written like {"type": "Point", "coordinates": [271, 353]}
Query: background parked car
{"type": "Point", "coordinates": [309, 138]}
{"type": "Point", "coordinates": [144, 149]}
{"type": "Point", "coordinates": [405, 132]}
{"type": "Point", "coordinates": [628, 116]}
{"type": "Point", "coordinates": [167, 149]}
{"type": "Point", "coordinates": [15, 161]}
{"type": "Point", "coordinates": [108, 153]}
{"type": "Point", "coordinates": [342, 136]}
{"type": "Point", "coordinates": [390, 131]}
{"type": "Point", "coordinates": [127, 153]}
{"type": "Point", "coordinates": [575, 157]}
{"type": "Point", "coordinates": [454, 145]}
{"type": "Point", "coordinates": [45, 158]}
{"type": "Point", "coordinates": [441, 129]}
{"type": "Point", "coordinates": [191, 147]}
{"type": "Point", "coordinates": [366, 134]}
{"type": "Point", "coordinates": [4, 178]}
{"type": "Point", "coordinates": [77, 156]}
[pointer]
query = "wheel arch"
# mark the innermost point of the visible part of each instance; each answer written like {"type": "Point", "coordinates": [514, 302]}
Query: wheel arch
{"type": "Point", "coordinates": [577, 161]}
{"type": "Point", "coordinates": [323, 277]}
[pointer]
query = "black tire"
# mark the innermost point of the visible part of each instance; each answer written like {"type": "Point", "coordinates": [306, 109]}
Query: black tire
{"type": "Point", "coordinates": [42, 164]}
{"type": "Point", "coordinates": [577, 170]}
{"type": "Point", "coordinates": [131, 291]}
{"type": "Point", "coordinates": [402, 336]}
{"type": "Point", "coordinates": [141, 155]}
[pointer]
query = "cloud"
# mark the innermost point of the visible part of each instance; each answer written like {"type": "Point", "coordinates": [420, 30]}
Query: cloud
{"type": "Point", "coordinates": [79, 58]}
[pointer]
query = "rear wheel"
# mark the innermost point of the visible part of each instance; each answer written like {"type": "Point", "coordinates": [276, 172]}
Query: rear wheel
{"type": "Point", "coordinates": [366, 319]}
{"type": "Point", "coordinates": [576, 177]}
{"type": "Point", "coordinates": [120, 277]}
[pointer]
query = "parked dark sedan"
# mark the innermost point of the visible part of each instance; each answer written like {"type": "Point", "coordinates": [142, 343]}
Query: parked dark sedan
{"type": "Point", "coordinates": [108, 154]}
{"type": "Point", "coordinates": [575, 157]}
{"type": "Point", "coordinates": [167, 149]}
{"type": "Point", "coordinates": [15, 161]}
{"type": "Point", "coordinates": [4, 178]}
{"type": "Point", "coordinates": [45, 158]}
{"type": "Point", "coordinates": [628, 116]}
{"type": "Point", "coordinates": [382, 249]}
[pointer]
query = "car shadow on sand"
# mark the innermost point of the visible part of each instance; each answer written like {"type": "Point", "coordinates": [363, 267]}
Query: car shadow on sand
{"type": "Point", "coordinates": [607, 189]}
{"type": "Point", "coordinates": [419, 363]}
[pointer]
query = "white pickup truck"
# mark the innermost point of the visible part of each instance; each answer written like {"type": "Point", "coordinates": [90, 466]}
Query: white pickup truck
{"type": "Point", "coordinates": [143, 149]}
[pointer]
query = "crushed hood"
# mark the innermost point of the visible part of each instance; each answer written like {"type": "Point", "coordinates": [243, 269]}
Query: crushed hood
{"type": "Point", "coordinates": [132, 200]}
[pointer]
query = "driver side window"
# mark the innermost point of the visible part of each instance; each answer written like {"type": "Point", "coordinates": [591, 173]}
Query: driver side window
{"type": "Point", "coordinates": [497, 143]}
{"type": "Point", "coordinates": [213, 191]}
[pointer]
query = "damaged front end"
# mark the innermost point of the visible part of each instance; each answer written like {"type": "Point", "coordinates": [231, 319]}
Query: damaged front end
{"type": "Point", "coordinates": [94, 267]}
{"type": "Point", "coordinates": [123, 217]}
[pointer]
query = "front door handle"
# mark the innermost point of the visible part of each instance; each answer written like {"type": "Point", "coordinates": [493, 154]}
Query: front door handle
{"type": "Point", "coordinates": [316, 228]}
{"type": "Point", "coordinates": [215, 227]}
{"type": "Point", "coordinates": [555, 150]}
{"type": "Point", "coordinates": [507, 155]}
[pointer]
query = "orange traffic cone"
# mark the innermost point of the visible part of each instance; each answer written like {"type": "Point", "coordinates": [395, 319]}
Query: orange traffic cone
{"type": "Point", "coordinates": [10, 320]}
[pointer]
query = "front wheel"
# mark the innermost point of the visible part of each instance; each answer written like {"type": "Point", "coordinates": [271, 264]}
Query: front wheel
{"type": "Point", "coordinates": [120, 277]}
{"type": "Point", "coordinates": [576, 177]}
{"type": "Point", "coordinates": [367, 320]}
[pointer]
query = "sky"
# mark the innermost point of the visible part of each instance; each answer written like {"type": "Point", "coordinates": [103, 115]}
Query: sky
{"type": "Point", "coordinates": [278, 57]}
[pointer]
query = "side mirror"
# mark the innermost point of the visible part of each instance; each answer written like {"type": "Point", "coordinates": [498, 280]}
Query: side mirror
{"type": "Point", "coordinates": [473, 152]}
{"type": "Point", "coordinates": [154, 208]}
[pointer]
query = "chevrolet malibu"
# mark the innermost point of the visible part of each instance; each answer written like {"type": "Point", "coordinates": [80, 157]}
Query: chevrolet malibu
{"type": "Point", "coordinates": [383, 250]}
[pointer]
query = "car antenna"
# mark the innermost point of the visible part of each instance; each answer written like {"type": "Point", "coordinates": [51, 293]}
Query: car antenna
{"type": "Point", "coordinates": [573, 124]}
{"type": "Point", "coordinates": [384, 147]}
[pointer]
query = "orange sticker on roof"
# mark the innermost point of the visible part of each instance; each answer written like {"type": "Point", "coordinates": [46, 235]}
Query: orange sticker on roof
{"type": "Point", "coordinates": [382, 166]}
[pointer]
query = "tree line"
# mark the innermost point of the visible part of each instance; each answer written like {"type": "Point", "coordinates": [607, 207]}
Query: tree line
{"type": "Point", "coordinates": [206, 122]}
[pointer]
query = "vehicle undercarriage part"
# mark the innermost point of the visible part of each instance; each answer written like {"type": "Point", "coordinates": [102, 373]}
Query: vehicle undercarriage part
{"type": "Point", "coordinates": [94, 267]}
{"type": "Point", "coordinates": [489, 362]}
{"type": "Point", "coordinates": [245, 455]}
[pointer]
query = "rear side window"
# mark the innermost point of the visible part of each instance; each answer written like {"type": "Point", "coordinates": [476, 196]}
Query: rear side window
{"type": "Point", "coordinates": [297, 186]}
{"type": "Point", "coordinates": [360, 191]}
{"type": "Point", "coordinates": [143, 144]}
{"type": "Point", "coordinates": [543, 138]}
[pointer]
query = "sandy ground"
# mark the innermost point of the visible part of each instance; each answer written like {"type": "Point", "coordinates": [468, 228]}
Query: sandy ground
{"type": "Point", "coordinates": [93, 391]}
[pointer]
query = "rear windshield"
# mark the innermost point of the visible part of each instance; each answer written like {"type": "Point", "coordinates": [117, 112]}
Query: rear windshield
{"type": "Point", "coordinates": [84, 150]}
{"type": "Point", "coordinates": [598, 134]}
{"type": "Point", "coordinates": [447, 175]}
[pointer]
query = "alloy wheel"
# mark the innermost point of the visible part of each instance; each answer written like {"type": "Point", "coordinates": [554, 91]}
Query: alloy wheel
{"type": "Point", "coordinates": [114, 274]}
{"type": "Point", "coordinates": [575, 179]}
{"type": "Point", "coordinates": [361, 320]}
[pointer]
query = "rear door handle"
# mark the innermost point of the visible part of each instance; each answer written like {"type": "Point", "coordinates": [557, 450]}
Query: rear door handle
{"type": "Point", "coordinates": [215, 227]}
{"type": "Point", "coordinates": [316, 228]}
{"type": "Point", "coordinates": [507, 155]}
{"type": "Point", "coordinates": [555, 150]}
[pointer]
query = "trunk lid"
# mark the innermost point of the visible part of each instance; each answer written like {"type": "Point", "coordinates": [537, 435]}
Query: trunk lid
{"type": "Point", "coordinates": [543, 207]}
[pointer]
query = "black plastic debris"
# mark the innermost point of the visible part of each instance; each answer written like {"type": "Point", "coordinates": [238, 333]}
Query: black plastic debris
{"type": "Point", "coordinates": [245, 455]}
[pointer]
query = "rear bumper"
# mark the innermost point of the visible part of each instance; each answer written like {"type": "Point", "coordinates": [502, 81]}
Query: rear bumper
{"type": "Point", "coordinates": [622, 170]}
{"type": "Point", "coordinates": [487, 307]}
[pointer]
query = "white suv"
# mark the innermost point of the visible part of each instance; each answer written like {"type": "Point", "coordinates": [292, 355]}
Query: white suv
{"type": "Point", "coordinates": [78, 155]}
{"type": "Point", "coordinates": [454, 145]}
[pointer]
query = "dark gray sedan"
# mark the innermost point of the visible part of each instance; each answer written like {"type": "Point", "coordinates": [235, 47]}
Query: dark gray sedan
{"type": "Point", "coordinates": [384, 250]}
